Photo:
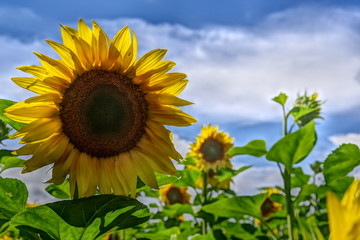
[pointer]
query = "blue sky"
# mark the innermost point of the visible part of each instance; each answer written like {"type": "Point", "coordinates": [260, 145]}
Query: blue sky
{"type": "Point", "coordinates": [238, 55]}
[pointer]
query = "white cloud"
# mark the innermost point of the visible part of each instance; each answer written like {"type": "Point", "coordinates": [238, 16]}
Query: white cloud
{"type": "Point", "coordinates": [250, 181]}
{"type": "Point", "coordinates": [234, 72]}
{"type": "Point", "coordinates": [181, 145]}
{"type": "Point", "coordinates": [353, 138]}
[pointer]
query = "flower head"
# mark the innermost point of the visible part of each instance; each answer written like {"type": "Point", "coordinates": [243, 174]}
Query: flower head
{"type": "Point", "coordinates": [210, 149]}
{"type": "Point", "coordinates": [99, 113]}
{"type": "Point", "coordinates": [171, 194]}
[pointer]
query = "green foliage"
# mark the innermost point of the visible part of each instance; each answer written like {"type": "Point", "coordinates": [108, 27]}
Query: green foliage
{"type": "Point", "coordinates": [281, 99]}
{"type": "Point", "coordinates": [61, 191]}
{"type": "Point", "coordinates": [256, 148]}
{"type": "Point", "coordinates": [294, 147]}
{"type": "Point", "coordinates": [338, 164]}
{"type": "Point", "coordinates": [225, 174]}
{"type": "Point", "coordinates": [236, 207]}
{"type": "Point", "coordinates": [86, 218]}
{"type": "Point", "coordinates": [4, 103]}
{"type": "Point", "coordinates": [8, 160]}
{"type": "Point", "coordinates": [13, 196]}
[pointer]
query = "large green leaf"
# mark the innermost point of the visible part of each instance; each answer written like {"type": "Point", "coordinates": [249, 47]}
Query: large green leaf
{"type": "Point", "coordinates": [294, 147]}
{"type": "Point", "coordinates": [85, 218]}
{"type": "Point", "coordinates": [13, 196]}
{"type": "Point", "coordinates": [236, 207]}
{"type": "Point", "coordinates": [8, 160]}
{"type": "Point", "coordinates": [4, 103]}
{"type": "Point", "coordinates": [338, 164]}
{"type": "Point", "coordinates": [256, 148]}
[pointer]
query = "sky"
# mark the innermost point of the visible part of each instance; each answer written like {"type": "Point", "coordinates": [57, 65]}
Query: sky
{"type": "Point", "coordinates": [237, 54]}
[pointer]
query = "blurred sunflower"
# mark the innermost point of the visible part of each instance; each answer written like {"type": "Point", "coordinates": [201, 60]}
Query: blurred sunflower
{"type": "Point", "coordinates": [210, 149]}
{"type": "Point", "coordinates": [269, 207]}
{"type": "Point", "coordinates": [344, 220]}
{"type": "Point", "coordinates": [171, 194]}
{"type": "Point", "coordinates": [100, 112]}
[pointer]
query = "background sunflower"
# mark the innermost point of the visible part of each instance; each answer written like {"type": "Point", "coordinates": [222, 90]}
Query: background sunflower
{"type": "Point", "coordinates": [210, 149]}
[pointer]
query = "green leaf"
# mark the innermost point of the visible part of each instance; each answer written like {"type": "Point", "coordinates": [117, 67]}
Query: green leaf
{"type": "Point", "coordinates": [299, 178]}
{"type": "Point", "coordinates": [208, 236]}
{"type": "Point", "coordinates": [189, 161]}
{"type": "Point", "coordinates": [224, 174]}
{"type": "Point", "coordinates": [61, 191]}
{"type": "Point", "coordinates": [236, 207]}
{"type": "Point", "coordinates": [294, 147]}
{"type": "Point", "coordinates": [85, 218]}
{"type": "Point", "coordinates": [338, 164]}
{"type": "Point", "coordinates": [256, 148]}
{"type": "Point", "coordinates": [4, 103]}
{"type": "Point", "coordinates": [188, 177]}
{"type": "Point", "coordinates": [281, 99]}
{"type": "Point", "coordinates": [161, 179]}
{"type": "Point", "coordinates": [8, 160]}
{"type": "Point", "coordinates": [4, 131]}
{"type": "Point", "coordinates": [177, 209]}
{"type": "Point", "coordinates": [13, 196]}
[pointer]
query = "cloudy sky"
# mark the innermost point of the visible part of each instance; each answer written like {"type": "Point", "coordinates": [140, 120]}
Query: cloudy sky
{"type": "Point", "coordinates": [238, 54]}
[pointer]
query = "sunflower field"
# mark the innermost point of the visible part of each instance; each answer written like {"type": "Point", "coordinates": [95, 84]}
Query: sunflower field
{"type": "Point", "coordinates": [98, 120]}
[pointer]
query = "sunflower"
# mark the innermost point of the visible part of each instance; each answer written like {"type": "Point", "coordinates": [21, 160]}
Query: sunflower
{"type": "Point", "coordinates": [171, 194]}
{"type": "Point", "coordinates": [269, 207]}
{"type": "Point", "coordinates": [210, 149]}
{"type": "Point", "coordinates": [99, 113]}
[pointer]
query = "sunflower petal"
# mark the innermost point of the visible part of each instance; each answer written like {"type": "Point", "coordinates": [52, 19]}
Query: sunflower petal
{"type": "Point", "coordinates": [145, 172]}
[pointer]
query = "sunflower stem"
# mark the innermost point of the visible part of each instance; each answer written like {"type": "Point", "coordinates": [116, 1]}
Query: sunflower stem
{"type": "Point", "coordinates": [286, 174]}
{"type": "Point", "coordinates": [205, 175]}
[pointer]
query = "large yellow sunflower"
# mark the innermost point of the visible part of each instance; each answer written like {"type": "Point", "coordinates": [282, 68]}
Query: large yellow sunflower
{"type": "Point", "coordinates": [210, 149]}
{"type": "Point", "coordinates": [100, 112]}
{"type": "Point", "coordinates": [171, 194]}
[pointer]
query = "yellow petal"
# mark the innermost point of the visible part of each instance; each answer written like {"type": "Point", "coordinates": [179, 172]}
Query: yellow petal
{"type": "Point", "coordinates": [149, 61]}
{"type": "Point", "coordinates": [145, 172]}
{"type": "Point", "coordinates": [167, 99]}
{"type": "Point", "coordinates": [29, 114]}
{"type": "Point", "coordinates": [41, 129]}
{"type": "Point", "coordinates": [55, 67]}
{"type": "Point", "coordinates": [175, 89]}
{"type": "Point", "coordinates": [35, 70]}
{"type": "Point", "coordinates": [125, 165]}
{"type": "Point", "coordinates": [33, 84]}
{"type": "Point", "coordinates": [84, 31]}
{"type": "Point", "coordinates": [68, 35]}
{"type": "Point", "coordinates": [337, 223]}
{"type": "Point", "coordinates": [69, 56]}
{"type": "Point", "coordinates": [171, 116]}
{"type": "Point", "coordinates": [122, 40]}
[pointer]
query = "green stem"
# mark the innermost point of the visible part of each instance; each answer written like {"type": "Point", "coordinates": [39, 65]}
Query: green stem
{"type": "Point", "coordinates": [289, 204]}
{"type": "Point", "coordinates": [205, 175]}
{"type": "Point", "coordinates": [287, 184]}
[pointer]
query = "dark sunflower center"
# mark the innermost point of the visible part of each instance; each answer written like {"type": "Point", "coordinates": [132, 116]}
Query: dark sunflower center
{"type": "Point", "coordinates": [103, 113]}
{"type": "Point", "coordinates": [212, 150]}
{"type": "Point", "coordinates": [174, 195]}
